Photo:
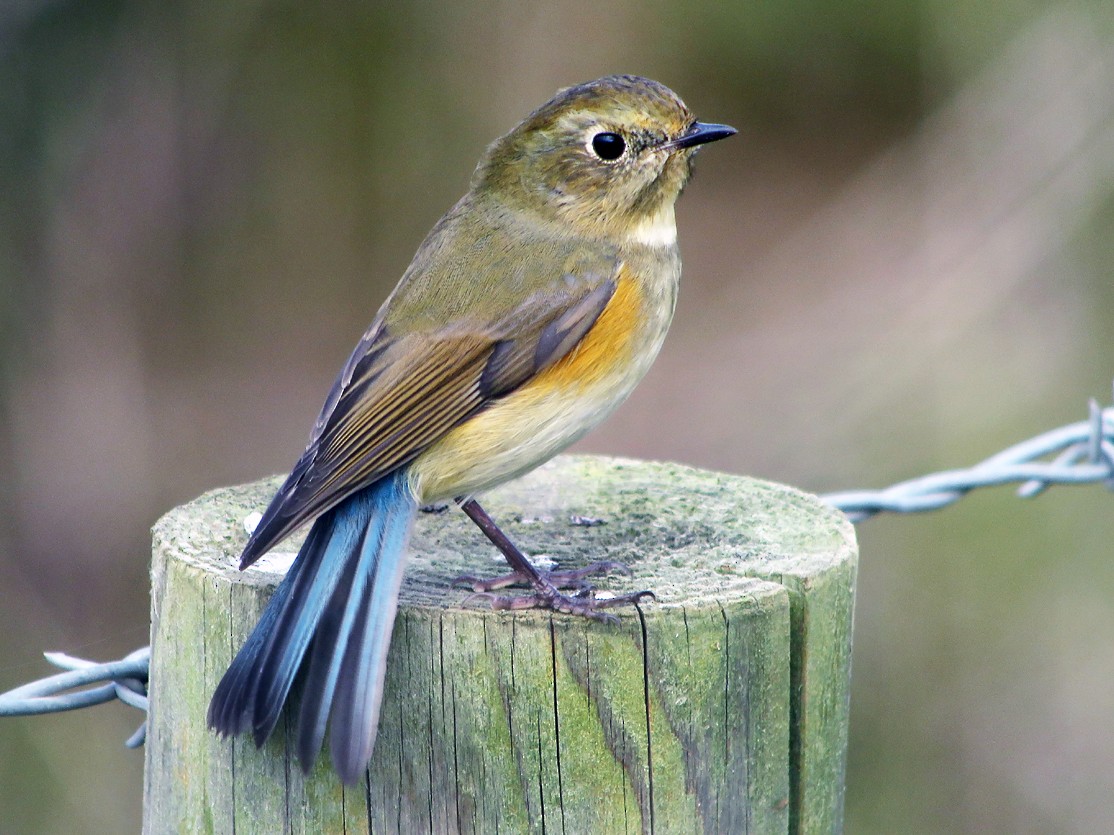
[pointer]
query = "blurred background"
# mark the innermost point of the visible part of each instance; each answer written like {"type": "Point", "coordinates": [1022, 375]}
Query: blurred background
{"type": "Point", "coordinates": [903, 263]}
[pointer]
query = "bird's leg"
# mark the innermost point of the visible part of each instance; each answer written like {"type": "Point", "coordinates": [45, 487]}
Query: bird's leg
{"type": "Point", "coordinates": [546, 585]}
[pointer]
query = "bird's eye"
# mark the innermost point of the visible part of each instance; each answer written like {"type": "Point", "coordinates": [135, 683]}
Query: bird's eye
{"type": "Point", "coordinates": [608, 146]}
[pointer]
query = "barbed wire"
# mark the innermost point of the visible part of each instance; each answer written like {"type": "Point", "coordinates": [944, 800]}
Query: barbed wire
{"type": "Point", "coordinates": [1079, 453]}
{"type": "Point", "coordinates": [127, 682]}
{"type": "Point", "coordinates": [1083, 453]}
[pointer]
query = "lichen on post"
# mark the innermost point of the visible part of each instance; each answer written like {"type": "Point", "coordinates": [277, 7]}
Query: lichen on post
{"type": "Point", "coordinates": [721, 706]}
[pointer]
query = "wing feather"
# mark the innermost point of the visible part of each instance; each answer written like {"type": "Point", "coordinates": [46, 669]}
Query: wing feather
{"type": "Point", "coordinates": [399, 393]}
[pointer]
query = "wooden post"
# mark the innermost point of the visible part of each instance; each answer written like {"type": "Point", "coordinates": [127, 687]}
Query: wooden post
{"type": "Point", "coordinates": [722, 707]}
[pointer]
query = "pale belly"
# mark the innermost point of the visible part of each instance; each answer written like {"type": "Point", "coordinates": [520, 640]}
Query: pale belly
{"type": "Point", "coordinates": [508, 439]}
{"type": "Point", "coordinates": [516, 433]}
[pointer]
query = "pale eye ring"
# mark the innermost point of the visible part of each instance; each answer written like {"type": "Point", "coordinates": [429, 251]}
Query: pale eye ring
{"type": "Point", "coordinates": [608, 146]}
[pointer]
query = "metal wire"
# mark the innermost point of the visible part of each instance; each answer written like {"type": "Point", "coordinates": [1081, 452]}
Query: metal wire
{"type": "Point", "coordinates": [1080, 453]}
{"type": "Point", "coordinates": [127, 682]}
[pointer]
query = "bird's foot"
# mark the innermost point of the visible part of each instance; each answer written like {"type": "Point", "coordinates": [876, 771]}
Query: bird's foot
{"type": "Point", "coordinates": [584, 604]}
{"type": "Point", "coordinates": [546, 584]}
{"type": "Point", "coordinates": [547, 594]}
{"type": "Point", "coordinates": [569, 579]}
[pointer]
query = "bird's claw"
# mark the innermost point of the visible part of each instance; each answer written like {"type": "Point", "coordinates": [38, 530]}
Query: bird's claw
{"type": "Point", "coordinates": [572, 578]}
{"type": "Point", "coordinates": [582, 602]}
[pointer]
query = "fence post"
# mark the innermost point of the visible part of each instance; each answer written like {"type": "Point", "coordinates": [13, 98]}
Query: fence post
{"type": "Point", "coordinates": [722, 707]}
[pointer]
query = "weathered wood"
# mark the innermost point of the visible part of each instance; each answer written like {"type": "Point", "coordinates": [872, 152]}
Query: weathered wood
{"type": "Point", "coordinates": [722, 707]}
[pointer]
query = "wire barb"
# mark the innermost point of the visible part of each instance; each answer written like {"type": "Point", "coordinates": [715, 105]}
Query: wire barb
{"type": "Point", "coordinates": [127, 682]}
{"type": "Point", "coordinates": [1082, 453]}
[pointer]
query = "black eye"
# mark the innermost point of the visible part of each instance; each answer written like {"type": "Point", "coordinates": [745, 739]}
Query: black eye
{"type": "Point", "coordinates": [608, 146]}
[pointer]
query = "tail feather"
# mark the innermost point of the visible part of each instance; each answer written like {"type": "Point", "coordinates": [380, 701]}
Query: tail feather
{"type": "Point", "coordinates": [333, 635]}
{"type": "Point", "coordinates": [230, 707]}
{"type": "Point", "coordinates": [359, 691]}
{"type": "Point", "coordinates": [337, 603]}
{"type": "Point", "coordinates": [332, 541]}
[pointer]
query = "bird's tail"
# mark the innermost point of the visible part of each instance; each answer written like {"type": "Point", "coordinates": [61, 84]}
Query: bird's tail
{"type": "Point", "coordinates": [337, 604]}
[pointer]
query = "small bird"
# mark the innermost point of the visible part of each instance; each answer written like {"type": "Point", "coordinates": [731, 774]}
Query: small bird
{"type": "Point", "coordinates": [528, 314]}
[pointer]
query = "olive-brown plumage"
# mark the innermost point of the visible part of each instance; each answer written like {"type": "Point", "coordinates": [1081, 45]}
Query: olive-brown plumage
{"type": "Point", "coordinates": [528, 314]}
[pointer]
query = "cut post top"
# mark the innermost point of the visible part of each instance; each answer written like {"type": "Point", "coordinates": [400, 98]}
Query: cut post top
{"type": "Point", "coordinates": [691, 536]}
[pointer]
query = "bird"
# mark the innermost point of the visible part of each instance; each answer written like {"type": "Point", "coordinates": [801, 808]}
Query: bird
{"type": "Point", "coordinates": [528, 314]}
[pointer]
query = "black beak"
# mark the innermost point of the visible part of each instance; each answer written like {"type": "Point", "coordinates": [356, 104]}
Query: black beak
{"type": "Point", "coordinates": [700, 133]}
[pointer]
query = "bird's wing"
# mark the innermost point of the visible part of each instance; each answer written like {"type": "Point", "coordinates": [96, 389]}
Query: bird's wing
{"type": "Point", "coordinates": [398, 393]}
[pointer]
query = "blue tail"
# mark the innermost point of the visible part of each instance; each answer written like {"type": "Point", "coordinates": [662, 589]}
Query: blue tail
{"type": "Point", "coordinates": [337, 604]}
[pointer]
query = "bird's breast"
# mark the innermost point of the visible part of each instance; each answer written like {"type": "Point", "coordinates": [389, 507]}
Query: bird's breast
{"type": "Point", "coordinates": [521, 430]}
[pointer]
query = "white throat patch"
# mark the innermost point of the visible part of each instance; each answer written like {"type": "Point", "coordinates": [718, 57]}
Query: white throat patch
{"type": "Point", "coordinates": [657, 231]}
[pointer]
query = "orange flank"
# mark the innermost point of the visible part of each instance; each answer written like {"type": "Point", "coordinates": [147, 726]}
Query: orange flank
{"type": "Point", "coordinates": [594, 360]}
{"type": "Point", "coordinates": [515, 433]}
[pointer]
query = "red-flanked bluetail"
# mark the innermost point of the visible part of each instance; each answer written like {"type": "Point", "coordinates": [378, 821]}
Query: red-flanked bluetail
{"type": "Point", "coordinates": [527, 316]}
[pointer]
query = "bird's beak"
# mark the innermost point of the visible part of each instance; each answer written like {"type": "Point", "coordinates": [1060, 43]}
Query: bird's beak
{"type": "Point", "coordinates": [700, 133]}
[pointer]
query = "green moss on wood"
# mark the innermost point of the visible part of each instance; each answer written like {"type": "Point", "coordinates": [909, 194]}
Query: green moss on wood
{"type": "Point", "coordinates": [720, 707]}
